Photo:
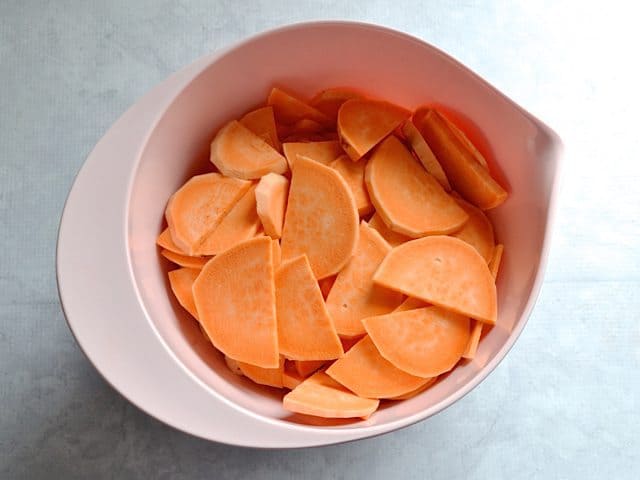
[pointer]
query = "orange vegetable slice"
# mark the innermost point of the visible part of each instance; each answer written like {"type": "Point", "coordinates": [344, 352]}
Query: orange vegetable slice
{"type": "Point", "coordinates": [263, 123]}
{"type": "Point", "coordinates": [289, 109]}
{"type": "Point", "coordinates": [496, 259]}
{"type": "Point", "coordinates": [181, 281]}
{"type": "Point", "coordinates": [305, 329]}
{"type": "Point", "coordinates": [165, 241]}
{"type": "Point", "coordinates": [198, 207]}
{"type": "Point", "coordinates": [408, 198]}
{"type": "Point", "coordinates": [362, 124]}
{"type": "Point", "coordinates": [353, 173]}
{"type": "Point", "coordinates": [271, 198]}
{"type": "Point", "coordinates": [425, 342]}
{"type": "Point", "coordinates": [323, 152]}
{"type": "Point", "coordinates": [444, 271]}
{"type": "Point", "coordinates": [354, 295]}
{"type": "Point", "coordinates": [240, 224]}
{"type": "Point", "coordinates": [393, 238]}
{"type": "Point", "coordinates": [235, 298]}
{"type": "Point", "coordinates": [238, 152]}
{"type": "Point", "coordinates": [271, 377]}
{"type": "Point", "coordinates": [304, 368]}
{"type": "Point", "coordinates": [467, 176]}
{"type": "Point", "coordinates": [233, 365]}
{"type": "Point", "coordinates": [411, 303]}
{"type": "Point", "coordinates": [477, 231]}
{"type": "Point", "coordinates": [290, 378]}
{"type": "Point", "coordinates": [184, 260]}
{"type": "Point", "coordinates": [322, 396]}
{"type": "Point", "coordinates": [321, 219]}
{"type": "Point", "coordinates": [407, 396]}
{"type": "Point", "coordinates": [330, 100]}
{"type": "Point", "coordinates": [424, 154]}
{"type": "Point", "coordinates": [368, 374]}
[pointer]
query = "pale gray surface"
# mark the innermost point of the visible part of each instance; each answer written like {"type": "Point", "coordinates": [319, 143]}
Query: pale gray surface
{"type": "Point", "coordinates": [565, 402]}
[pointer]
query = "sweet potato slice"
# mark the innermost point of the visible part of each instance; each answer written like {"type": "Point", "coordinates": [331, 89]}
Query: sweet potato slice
{"type": "Point", "coordinates": [477, 231]}
{"type": "Point", "coordinates": [411, 303]}
{"type": "Point", "coordinates": [425, 342]}
{"type": "Point", "coordinates": [415, 392]}
{"type": "Point", "coordinates": [238, 152]}
{"type": "Point", "coordinates": [406, 196]}
{"type": "Point", "coordinates": [240, 224]}
{"type": "Point", "coordinates": [165, 241]}
{"type": "Point", "coordinates": [181, 281]}
{"type": "Point", "coordinates": [233, 365]}
{"type": "Point", "coordinates": [321, 396]}
{"type": "Point", "coordinates": [235, 299]}
{"type": "Point", "coordinates": [330, 100]}
{"type": "Point", "coordinates": [198, 207]}
{"type": "Point", "coordinates": [290, 377]}
{"type": "Point", "coordinates": [289, 109]}
{"type": "Point", "coordinates": [277, 253]}
{"type": "Point", "coordinates": [424, 154]}
{"type": "Point", "coordinates": [321, 219]}
{"type": "Point", "coordinates": [305, 329]}
{"type": "Point", "coordinates": [353, 173]}
{"type": "Point", "coordinates": [184, 260]}
{"type": "Point", "coordinates": [354, 295]}
{"type": "Point", "coordinates": [264, 376]}
{"type": "Point", "coordinates": [271, 198]}
{"type": "Point", "coordinates": [326, 284]}
{"type": "Point", "coordinates": [304, 368]}
{"type": "Point", "coordinates": [322, 152]}
{"type": "Point", "coordinates": [496, 259]}
{"type": "Point", "coordinates": [444, 271]}
{"type": "Point", "coordinates": [393, 238]}
{"type": "Point", "coordinates": [466, 175]}
{"type": "Point", "coordinates": [263, 123]}
{"type": "Point", "coordinates": [362, 124]}
{"type": "Point", "coordinates": [368, 374]}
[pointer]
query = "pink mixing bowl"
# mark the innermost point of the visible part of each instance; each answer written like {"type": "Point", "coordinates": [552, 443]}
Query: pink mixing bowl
{"type": "Point", "coordinates": [113, 284]}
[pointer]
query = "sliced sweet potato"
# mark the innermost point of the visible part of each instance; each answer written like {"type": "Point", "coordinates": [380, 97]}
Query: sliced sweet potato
{"type": "Point", "coordinates": [326, 284]}
{"type": "Point", "coordinates": [184, 260]}
{"type": "Point", "coordinates": [393, 238]}
{"type": "Point", "coordinates": [264, 376]}
{"type": "Point", "coordinates": [238, 152]}
{"type": "Point", "coordinates": [417, 391]}
{"type": "Point", "coordinates": [198, 207]}
{"type": "Point", "coordinates": [240, 224]}
{"type": "Point", "coordinates": [406, 196]}
{"type": "Point", "coordinates": [232, 364]}
{"type": "Point", "coordinates": [362, 124]}
{"type": "Point", "coordinates": [323, 152]}
{"type": "Point", "coordinates": [165, 241]}
{"type": "Point", "coordinates": [330, 100]}
{"type": "Point", "coordinates": [444, 271]}
{"type": "Point", "coordinates": [354, 295]}
{"type": "Point", "coordinates": [425, 342]}
{"type": "Point", "coordinates": [321, 219]}
{"type": "Point", "coordinates": [271, 198]}
{"type": "Point", "coordinates": [263, 123]}
{"type": "Point", "coordinates": [181, 281]}
{"type": "Point", "coordinates": [306, 125]}
{"type": "Point", "coordinates": [368, 374]}
{"type": "Point", "coordinates": [322, 396]}
{"type": "Point", "coordinates": [474, 338]}
{"type": "Point", "coordinates": [411, 303]}
{"type": "Point", "coordinates": [353, 173]}
{"type": "Point", "coordinates": [304, 368]}
{"type": "Point", "coordinates": [290, 377]}
{"type": "Point", "coordinates": [477, 231]}
{"type": "Point", "coordinates": [496, 259]}
{"type": "Point", "coordinates": [424, 154]}
{"type": "Point", "coordinates": [289, 109]}
{"type": "Point", "coordinates": [235, 298]}
{"type": "Point", "coordinates": [277, 253]}
{"type": "Point", "coordinates": [466, 175]}
{"type": "Point", "coordinates": [305, 329]}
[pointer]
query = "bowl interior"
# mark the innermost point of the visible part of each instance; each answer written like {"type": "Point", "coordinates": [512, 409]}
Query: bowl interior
{"type": "Point", "coordinates": [392, 66]}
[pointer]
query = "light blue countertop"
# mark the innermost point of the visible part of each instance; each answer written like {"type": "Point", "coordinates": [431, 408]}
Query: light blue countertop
{"type": "Point", "coordinates": [565, 403]}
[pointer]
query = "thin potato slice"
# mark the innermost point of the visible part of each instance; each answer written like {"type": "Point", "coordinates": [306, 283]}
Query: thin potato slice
{"type": "Point", "coordinates": [323, 152]}
{"type": "Point", "coordinates": [424, 154]}
{"type": "Point", "coordinates": [353, 173]}
{"type": "Point", "coordinates": [289, 109]}
{"type": "Point", "coordinates": [181, 281]}
{"type": "Point", "coordinates": [393, 238]}
{"type": "Point", "coordinates": [186, 261]}
{"type": "Point", "coordinates": [271, 377]}
{"type": "Point", "coordinates": [271, 198]}
{"type": "Point", "coordinates": [330, 100]}
{"type": "Point", "coordinates": [263, 124]}
{"type": "Point", "coordinates": [477, 231]}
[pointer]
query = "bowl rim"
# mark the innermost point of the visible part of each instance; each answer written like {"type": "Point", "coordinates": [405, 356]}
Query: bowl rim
{"type": "Point", "coordinates": [170, 91]}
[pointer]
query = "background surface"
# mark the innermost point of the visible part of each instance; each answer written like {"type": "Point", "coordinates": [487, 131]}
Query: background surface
{"type": "Point", "coordinates": [564, 403]}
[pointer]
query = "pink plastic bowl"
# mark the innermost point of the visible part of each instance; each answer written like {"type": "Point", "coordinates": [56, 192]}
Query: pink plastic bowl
{"type": "Point", "coordinates": [112, 282]}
